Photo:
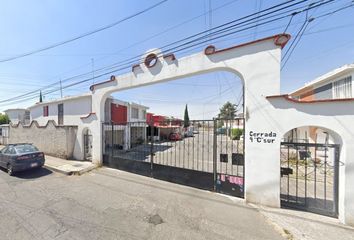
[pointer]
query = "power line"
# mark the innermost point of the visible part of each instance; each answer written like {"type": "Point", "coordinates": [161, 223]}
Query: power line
{"type": "Point", "coordinates": [303, 29]}
{"type": "Point", "coordinates": [128, 64]}
{"type": "Point", "coordinates": [296, 37]}
{"type": "Point", "coordinates": [78, 82]}
{"type": "Point", "coordinates": [207, 33]}
{"type": "Point", "coordinates": [300, 34]}
{"type": "Point", "coordinates": [83, 35]}
{"type": "Point", "coordinates": [132, 45]}
{"type": "Point", "coordinates": [132, 60]}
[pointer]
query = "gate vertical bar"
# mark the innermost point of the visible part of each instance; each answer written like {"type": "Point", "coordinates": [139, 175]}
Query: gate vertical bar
{"type": "Point", "coordinates": [151, 149]}
{"type": "Point", "coordinates": [306, 160]}
{"type": "Point", "coordinates": [214, 152]}
{"type": "Point", "coordinates": [112, 147]}
{"type": "Point", "coordinates": [297, 174]}
{"type": "Point", "coordinates": [315, 172]}
{"type": "Point", "coordinates": [336, 180]}
{"type": "Point", "coordinates": [103, 137]}
{"type": "Point", "coordinates": [288, 160]}
{"type": "Point", "coordinates": [325, 177]}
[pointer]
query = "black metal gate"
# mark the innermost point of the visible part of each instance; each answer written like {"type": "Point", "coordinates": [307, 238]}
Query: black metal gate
{"type": "Point", "coordinates": [309, 177]}
{"type": "Point", "coordinates": [206, 154]}
{"type": "Point", "coordinates": [87, 145]}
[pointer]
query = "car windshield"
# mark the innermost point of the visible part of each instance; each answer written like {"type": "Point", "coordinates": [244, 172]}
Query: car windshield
{"type": "Point", "coordinates": [26, 148]}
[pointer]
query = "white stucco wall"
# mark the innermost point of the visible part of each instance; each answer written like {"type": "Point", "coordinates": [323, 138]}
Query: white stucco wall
{"type": "Point", "coordinates": [337, 118]}
{"type": "Point", "coordinates": [352, 74]}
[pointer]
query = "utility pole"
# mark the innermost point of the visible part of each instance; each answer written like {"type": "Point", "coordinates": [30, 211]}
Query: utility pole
{"type": "Point", "coordinates": [61, 89]}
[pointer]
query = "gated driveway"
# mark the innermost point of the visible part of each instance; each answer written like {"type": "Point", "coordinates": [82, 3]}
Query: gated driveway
{"type": "Point", "coordinates": [192, 152]}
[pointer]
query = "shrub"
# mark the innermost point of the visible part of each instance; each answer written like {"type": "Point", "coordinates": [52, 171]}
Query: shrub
{"type": "Point", "coordinates": [236, 133]}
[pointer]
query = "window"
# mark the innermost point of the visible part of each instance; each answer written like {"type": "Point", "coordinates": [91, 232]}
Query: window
{"type": "Point", "coordinates": [12, 150]}
{"type": "Point", "coordinates": [135, 113]}
{"type": "Point", "coordinates": [143, 114]}
{"type": "Point", "coordinates": [9, 150]}
{"type": "Point", "coordinates": [61, 114]}
{"type": "Point", "coordinates": [5, 150]}
{"type": "Point", "coordinates": [343, 88]}
{"type": "Point", "coordinates": [45, 111]}
{"type": "Point", "coordinates": [26, 148]}
{"type": "Point", "coordinates": [27, 117]}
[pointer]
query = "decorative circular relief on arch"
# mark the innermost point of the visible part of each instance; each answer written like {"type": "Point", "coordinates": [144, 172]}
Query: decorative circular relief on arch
{"type": "Point", "coordinates": [151, 60]}
{"type": "Point", "coordinates": [282, 40]}
{"type": "Point", "coordinates": [209, 50]}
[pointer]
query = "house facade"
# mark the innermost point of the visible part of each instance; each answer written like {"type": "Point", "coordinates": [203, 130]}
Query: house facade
{"type": "Point", "coordinates": [336, 84]}
{"type": "Point", "coordinates": [161, 127]}
{"type": "Point", "coordinates": [64, 111]}
{"type": "Point", "coordinates": [128, 123]}
{"type": "Point", "coordinates": [18, 115]}
{"type": "Point", "coordinates": [74, 110]}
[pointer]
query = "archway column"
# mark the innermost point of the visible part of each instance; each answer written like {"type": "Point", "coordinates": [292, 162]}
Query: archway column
{"type": "Point", "coordinates": [96, 126]}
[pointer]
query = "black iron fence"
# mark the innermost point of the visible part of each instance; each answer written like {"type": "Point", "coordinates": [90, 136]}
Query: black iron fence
{"type": "Point", "coordinates": [207, 154]}
{"type": "Point", "coordinates": [309, 177]}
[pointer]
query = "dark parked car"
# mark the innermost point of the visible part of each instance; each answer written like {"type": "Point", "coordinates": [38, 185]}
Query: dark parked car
{"type": "Point", "coordinates": [20, 157]}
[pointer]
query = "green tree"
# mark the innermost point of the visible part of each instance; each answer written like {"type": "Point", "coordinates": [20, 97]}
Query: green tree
{"type": "Point", "coordinates": [228, 111]}
{"type": "Point", "coordinates": [40, 97]}
{"type": "Point", "coordinates": [4, 119]}
{"type": "Point", "coordinates": [186, 117]}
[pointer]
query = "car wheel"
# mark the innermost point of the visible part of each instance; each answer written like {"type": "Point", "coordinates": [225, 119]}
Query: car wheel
{"type": "Point", "coordinates": [10, 170]}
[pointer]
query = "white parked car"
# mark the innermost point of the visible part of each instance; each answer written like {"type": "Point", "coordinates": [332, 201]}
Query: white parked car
{"type": "Point", "coordinates": [188, 132]}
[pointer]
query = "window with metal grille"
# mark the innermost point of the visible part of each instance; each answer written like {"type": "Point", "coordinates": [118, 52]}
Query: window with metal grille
{"type": "Point", "coordinates": [135, 113]}
{"type": "Point", "coordinates": [343, 88]}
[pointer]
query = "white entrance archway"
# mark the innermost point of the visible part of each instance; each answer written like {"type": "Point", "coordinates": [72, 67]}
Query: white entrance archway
{"type": "Point", "coordinates": [268, 115]}
{"type": "Point", "coordinates": [256, 63]}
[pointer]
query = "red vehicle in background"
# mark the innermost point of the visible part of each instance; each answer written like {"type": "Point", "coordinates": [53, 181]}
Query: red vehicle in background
{"type": "Point", "coordinates": [175, 137]}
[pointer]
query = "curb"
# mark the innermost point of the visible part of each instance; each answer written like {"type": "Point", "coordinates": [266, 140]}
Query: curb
{"type": "Point", "coordinates": [282, 231]}
{"type": "Point", "coordinates": [58, 170]}
{"type": "Point", "coordinates": [85, 170]}
{"type": "Point", "coordinates": [69, 173]}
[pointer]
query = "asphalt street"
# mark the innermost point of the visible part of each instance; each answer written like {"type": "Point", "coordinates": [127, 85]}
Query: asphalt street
{"type": "Point", "coordinates": [111, 204]}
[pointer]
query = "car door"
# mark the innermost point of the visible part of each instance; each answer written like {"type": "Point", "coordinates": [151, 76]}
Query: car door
{"type": "Point", "coordinates": [2, 157]}
{"type": "Point", "coordinates": [11, 155]}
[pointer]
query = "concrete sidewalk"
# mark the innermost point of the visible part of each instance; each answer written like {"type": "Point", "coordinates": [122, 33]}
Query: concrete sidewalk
{"type": "Point", "coordinates": [68, 167]}
{"type": "Point", "coordinates": [306, 226]}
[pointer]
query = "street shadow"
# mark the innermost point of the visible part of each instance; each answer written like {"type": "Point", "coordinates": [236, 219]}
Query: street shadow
{"type": "Point", "coordinates": [33, 173]}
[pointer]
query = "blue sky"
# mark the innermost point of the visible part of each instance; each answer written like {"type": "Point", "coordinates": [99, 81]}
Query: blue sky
{"type": "Point", "coordinates": [28, 25]}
